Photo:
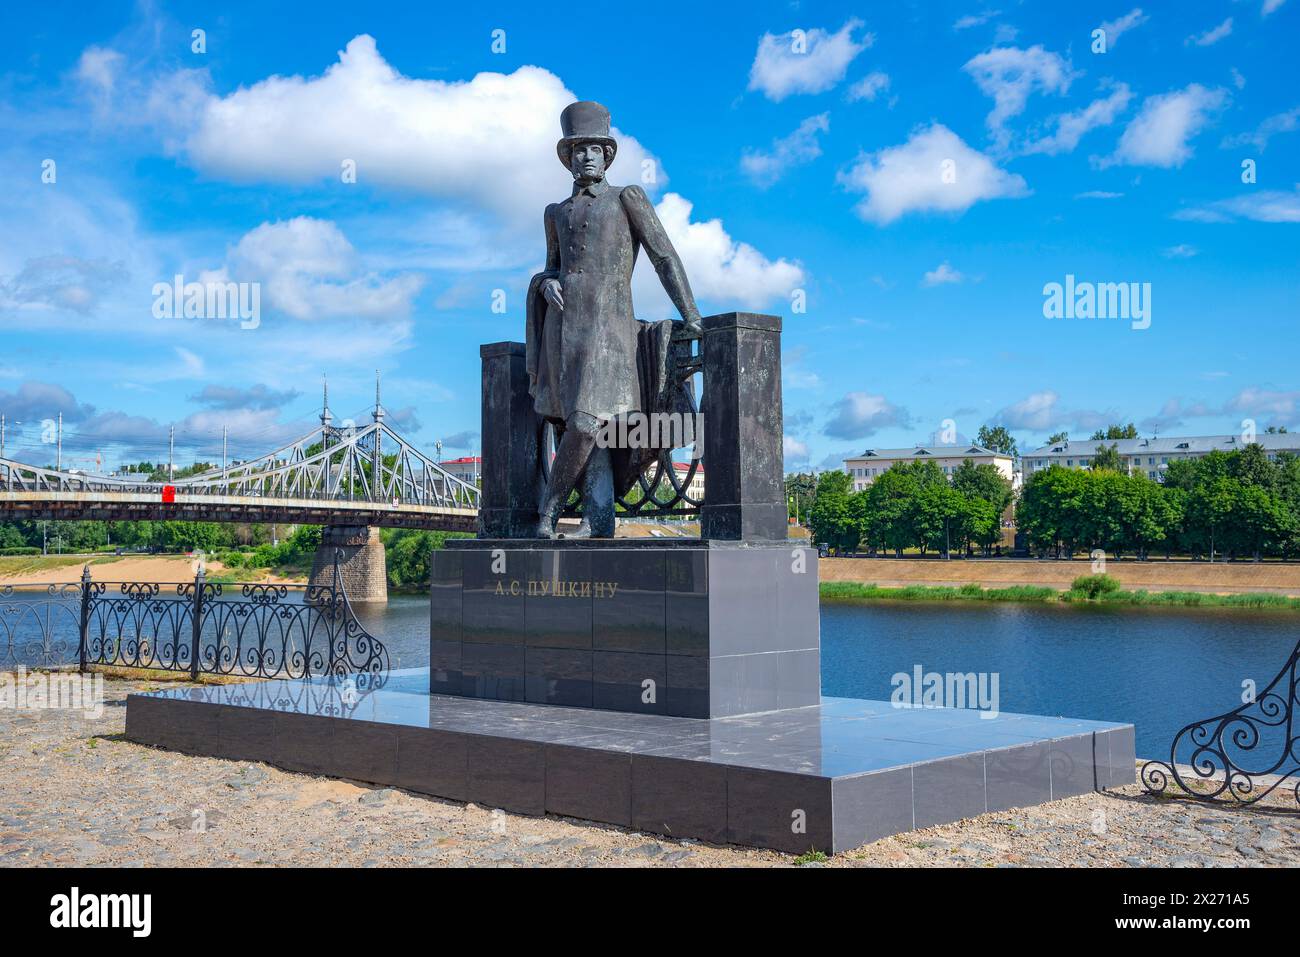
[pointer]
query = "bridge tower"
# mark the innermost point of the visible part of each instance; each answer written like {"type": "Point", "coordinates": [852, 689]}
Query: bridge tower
{"type": "Point", "coordinates": [363, 566]}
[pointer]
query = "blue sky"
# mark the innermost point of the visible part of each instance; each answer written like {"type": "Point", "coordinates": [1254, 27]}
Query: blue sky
{"type": "Point", "coordinates": [803, 174]}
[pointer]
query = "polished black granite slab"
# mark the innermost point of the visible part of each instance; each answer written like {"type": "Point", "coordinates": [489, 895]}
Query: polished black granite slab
{"type": "Point", "coordinates": [829, 776]}
{"type": "Point", "coordinates": [683, 627]}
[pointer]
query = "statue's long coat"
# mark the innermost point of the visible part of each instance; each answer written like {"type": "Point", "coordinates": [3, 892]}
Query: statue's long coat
{"type": "Point", "coordinates": [594, 356]}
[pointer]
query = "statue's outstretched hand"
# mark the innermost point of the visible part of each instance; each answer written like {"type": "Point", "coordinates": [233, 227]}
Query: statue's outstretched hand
{"type": "Point", "coordinates": [554, 294]}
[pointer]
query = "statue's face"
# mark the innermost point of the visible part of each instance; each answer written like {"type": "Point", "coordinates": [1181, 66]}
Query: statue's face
{"type": "Point", "coordinates": [587, 161]}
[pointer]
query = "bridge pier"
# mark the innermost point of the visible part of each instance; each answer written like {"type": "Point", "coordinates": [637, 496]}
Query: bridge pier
{"type": "Point", "coordinates": [361, 568]}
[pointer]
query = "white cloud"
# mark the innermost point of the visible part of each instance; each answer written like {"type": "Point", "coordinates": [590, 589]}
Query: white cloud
{"type": "Point", "coordinates": [1213, 35]}
{"type": "Point", "coordinates": [191, 363]}
{"type": "Point", "coordinates": [488, 142]}
{"type": "Point", "coordinates": [811, 61]}
{"type": "Point", "coordinates": [1098, 194]}
{"type": "Point", "coordinates": [309, 270]}
{"type": "Point", "coordinates": [1267, 206]}
{"type": "Point", "coordinates": [482, 145]}
{"type": "Point", "coordinates": [98, 68]}
{"type": "Point", "coordinates": [795, 451]}
{"type": "Point", "coordinates": [1287, 122]}
{"type": "Point", "coordinates": [800, 147]}
{"type": "Point", "coordinates": [1114, 28]}
{"type": "Point", "coordinates": [1181, 251]}
{"type": "Point", "coordinates": [1010, 75]}
{"type": "Point", "coordinates": [941, 275]}
{"type": "Point", "coordinates": [974, 19]}
{"type": "Point", "coordinates": [1270, 6]}
{"type": "Point", "coordinates": [933, 171]}
{"type": "Point", "coordinates": [1158, 136]}
{"type": "Point", "coordinates": [860, 414]}
{"type": "Point", "coordinates": [1071, 127]}
{"type": "Point", "coordinates": [869, 87]}
{"type": "Point", "coordinates": [1037, 411]}
{"type": "Point", "coordinates": [719, 267]}
{"type": "Point", "coordinates": [1041, 411]}
{"type": "Point", "coordinates": [1254, 399]}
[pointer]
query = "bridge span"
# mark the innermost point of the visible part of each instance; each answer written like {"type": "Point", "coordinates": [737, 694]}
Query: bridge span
{"type": "Point", "coordinates": [349, 479]}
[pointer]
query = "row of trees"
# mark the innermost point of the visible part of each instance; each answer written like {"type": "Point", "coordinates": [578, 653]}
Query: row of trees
{"type": "Point", "coordinates": [1239, 504]}
{"type": "Point", "coordinates": [912, 505]}
{"type": "Point", "coordinates": [95, 536]}
{"type": "Point", "coordinates": [1234, 505]}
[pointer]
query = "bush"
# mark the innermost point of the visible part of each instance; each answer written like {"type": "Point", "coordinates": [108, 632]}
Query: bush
{"type": "Point", "coordinates": [1095, 586]}
{"type": "Point", "coordinates": [20, 550]}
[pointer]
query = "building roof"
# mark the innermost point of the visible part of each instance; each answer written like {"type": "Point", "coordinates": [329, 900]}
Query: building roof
{"type": "Point", "coordinates": [1169, 445]}
{"type": "Point", "coordinates": [463, 460]}
{"type": "Point", "coordinates": [921, 451]}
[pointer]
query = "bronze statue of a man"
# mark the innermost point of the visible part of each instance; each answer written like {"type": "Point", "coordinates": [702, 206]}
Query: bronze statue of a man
{"type": "Point", "coordinates": [590, 361]}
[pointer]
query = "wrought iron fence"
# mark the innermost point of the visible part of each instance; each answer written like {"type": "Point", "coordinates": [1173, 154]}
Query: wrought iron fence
{"type": "Point", "coordinates": [39, 627]}
{"type": "Point", "coordinates": [1241, 756]}
{"type": "Point", "coordinates": [200, 627]}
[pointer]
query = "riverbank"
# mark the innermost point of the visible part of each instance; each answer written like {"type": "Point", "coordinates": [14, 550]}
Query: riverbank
{"type": "Point", "coordinates": [77, 793]}
{"type": "Point", "coordinates": [1222, 578]}
{"type": "Point", "coordinates": [867, 592]}
{"type": "Point", "coordinates": [66, 570]}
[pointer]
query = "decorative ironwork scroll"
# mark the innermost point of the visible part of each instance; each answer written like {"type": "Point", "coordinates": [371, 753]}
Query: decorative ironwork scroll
{"type": "Point", "coordinates": [1241, 756]}
{"type": "Point", "coordinates": [662, 490]}
{"type": "Point", "coordinates": [38, 627]}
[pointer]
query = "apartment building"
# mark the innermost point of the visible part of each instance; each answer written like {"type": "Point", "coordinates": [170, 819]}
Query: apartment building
{"type": "Point", "coordinates": [1150, 457]}
{"type": "Point", "coordinates": [873, 463]}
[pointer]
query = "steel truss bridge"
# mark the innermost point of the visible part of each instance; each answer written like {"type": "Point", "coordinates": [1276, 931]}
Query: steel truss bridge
{"type": "Point", "coordinates": [366, 475]}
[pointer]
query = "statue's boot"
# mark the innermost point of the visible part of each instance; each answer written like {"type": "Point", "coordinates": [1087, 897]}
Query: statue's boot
{"type": "Point", "coordinates": [570, 460]}
{"type": "Point", "coordinates": [597, 498]}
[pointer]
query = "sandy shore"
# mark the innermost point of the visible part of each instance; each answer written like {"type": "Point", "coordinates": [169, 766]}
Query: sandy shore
{"type": "Point", "coordinates": [139, 568]}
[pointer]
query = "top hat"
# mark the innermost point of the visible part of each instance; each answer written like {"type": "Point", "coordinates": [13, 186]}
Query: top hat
{"type": "Point", "coordinates": [583, 122]}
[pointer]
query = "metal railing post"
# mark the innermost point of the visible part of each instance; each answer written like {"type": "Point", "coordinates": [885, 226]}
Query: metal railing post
{"type": "Point", "coordinates": [84, 634]}
{"type": "Point", "coordinates": [197, 623]}
{"type": "Point", "coordinates": [338, 611]}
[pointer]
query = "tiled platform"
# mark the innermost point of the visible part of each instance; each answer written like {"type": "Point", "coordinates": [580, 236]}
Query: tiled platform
{"type": "Point", "coordinates": [831, 776]}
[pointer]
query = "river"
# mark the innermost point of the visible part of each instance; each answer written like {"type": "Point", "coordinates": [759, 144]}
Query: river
{"type": "Point", "coordinates": [1157, 668]}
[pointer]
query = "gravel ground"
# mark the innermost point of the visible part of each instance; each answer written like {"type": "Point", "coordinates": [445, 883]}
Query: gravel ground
{"type": "Point", "coordinates": [75, 792]}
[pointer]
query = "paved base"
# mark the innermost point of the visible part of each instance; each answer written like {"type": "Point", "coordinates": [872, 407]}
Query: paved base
{"type": "Point", "coordinates": [828, 777]}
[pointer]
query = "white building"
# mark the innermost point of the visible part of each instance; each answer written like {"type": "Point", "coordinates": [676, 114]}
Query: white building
{"type": "Point", "coordinates": [1150, 457]}
{"type": "Point", "coordinates": [873, 463]}
{"type": "Point", "coordinates": [467, 469]}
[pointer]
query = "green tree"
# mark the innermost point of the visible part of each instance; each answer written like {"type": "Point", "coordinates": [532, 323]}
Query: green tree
{"type": "Point", "coordinates": [890, 503]}
{"type": "Point", "coordinates": [998, 439]}
{"type": "Point", "coordinates": [1114, 432]}
{"type": "Point", "coordinates": [1107, 457]}
{"type": "Point", "coordinates": [830, 518]}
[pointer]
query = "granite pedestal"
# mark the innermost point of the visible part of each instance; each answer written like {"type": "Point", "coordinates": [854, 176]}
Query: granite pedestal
{"type": "Point", "coordinates": [827, 777]}
{"type": "Point", "coordinates": [684, 627]}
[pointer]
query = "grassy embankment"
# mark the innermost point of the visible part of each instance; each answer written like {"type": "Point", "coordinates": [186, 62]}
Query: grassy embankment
{"type": "Point", "coordinates": [1086, 589]}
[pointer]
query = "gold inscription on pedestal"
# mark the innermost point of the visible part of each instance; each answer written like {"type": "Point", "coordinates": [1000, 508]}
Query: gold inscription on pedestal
{"type": "Point", "coordinates": [554, 588]}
